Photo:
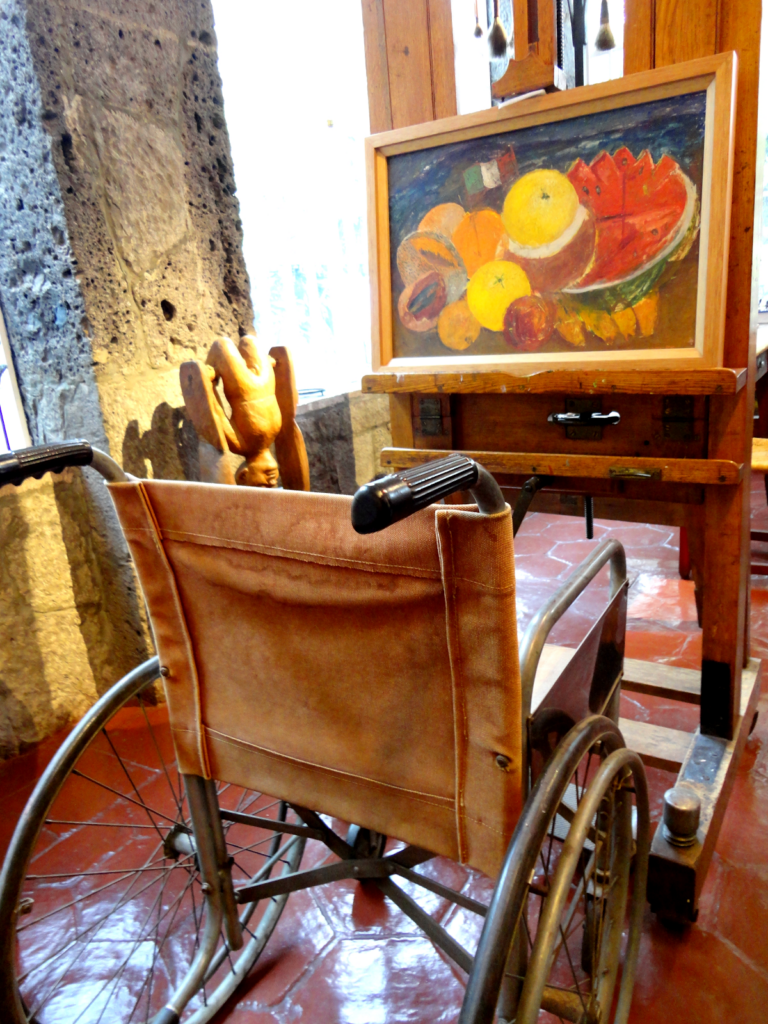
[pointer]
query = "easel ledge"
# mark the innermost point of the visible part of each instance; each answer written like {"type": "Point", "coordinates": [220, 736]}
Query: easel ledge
{"type": "Point", "coordinates": [723, 381]}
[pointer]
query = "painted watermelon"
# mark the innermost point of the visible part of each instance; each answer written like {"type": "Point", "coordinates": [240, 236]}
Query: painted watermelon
{"type": "Point", "coordinates": [645, 213]}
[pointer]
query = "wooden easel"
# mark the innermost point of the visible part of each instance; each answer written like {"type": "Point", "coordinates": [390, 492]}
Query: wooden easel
{"type": "Point", "coordinates": [696, 433]}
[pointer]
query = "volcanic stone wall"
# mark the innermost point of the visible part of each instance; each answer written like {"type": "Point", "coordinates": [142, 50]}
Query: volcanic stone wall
{"type": "Point", "coordinates": [120, 257]}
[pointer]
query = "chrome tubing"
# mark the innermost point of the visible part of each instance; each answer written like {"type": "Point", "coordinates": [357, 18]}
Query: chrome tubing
{"type": "Point", "coordinates": [109, 469]}
{"type": "Point", "coordinates": [487, 493]}
{"type": "Point", "coordinates": [541, 624]}
{"type": "Point", "coordinates": [203, 830]}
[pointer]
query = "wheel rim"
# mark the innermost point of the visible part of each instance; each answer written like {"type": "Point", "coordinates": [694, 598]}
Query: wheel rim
{"type": "Point", "coordinates": [576, 911]}
{"type": "Point", "coordinates": [109, 936]}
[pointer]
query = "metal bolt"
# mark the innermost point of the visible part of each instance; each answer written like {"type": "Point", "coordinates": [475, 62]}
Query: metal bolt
{"type": "Point", "coordinates": [502, 762]}
{"type": "Point", "coordinates": [164, 670]}
{"type": "Point", "coordinates": [206, 887]}
{"type": "Point", "coordinates": [680, 819]}
{"type": "Point", "coordinates": [26, 903]}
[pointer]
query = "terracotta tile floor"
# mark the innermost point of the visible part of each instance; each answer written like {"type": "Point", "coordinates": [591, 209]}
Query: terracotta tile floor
{"type": "Point", "coordinates": [343, 954]}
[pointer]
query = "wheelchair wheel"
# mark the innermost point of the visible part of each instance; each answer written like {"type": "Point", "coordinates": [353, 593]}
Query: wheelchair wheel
{"type": "Point", "coordinates": [101, 908]}
{"type": "Point", "coordinates": [571, 895]}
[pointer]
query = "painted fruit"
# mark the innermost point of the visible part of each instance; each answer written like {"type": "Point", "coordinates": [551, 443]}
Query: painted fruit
{"type": "Point", "coordinates": [645, 214]}
{"type": "Point", "coordinates": [477, 238]}
{"type": "Point", "coordinates": [424, 252]}
{"type": "Point", "coordinates": [421, 302]}
{"type": "Point", "coordinates": [442, 219]}
{"type": "Point", "coordinates": [550, 263]}
{"type": "Point", "coordinates": [529, 322]}
{"type": "Point", "coordinates": [539, 207]}
{"type": "Point", "coordinates": [492, 289]}
{"type": "Point", "coordinates": [558, 264]}
{"type": "Point", "coordinates": [457, 327]}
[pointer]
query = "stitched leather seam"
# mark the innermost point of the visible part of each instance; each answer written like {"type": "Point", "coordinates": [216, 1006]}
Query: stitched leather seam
{"type": "Point", "coordinates": [433, 799]}
{"type": "Point", "coordinates": [482, 824]}
{"type": "Point", "coordinates": [299, 556]}
{"type": "Point", "coordinates": [459, 712]}
{"type": "Point", "coordinates": [509, 589]}
{"type": "Point", "coordinates": [176, 597]}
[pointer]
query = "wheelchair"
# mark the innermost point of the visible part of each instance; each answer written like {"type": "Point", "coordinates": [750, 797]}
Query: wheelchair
{"type": "Point", "coordinates": [358, 692]}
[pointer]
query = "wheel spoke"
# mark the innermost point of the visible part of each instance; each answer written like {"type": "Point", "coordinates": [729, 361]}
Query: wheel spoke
{"type": "Point", "coordinates": [126, 898]}
{"type": "Point", "coordinates": [109, 945]}
{"type": "Point", "coordinates": [115, 980]}
{"type": "Point", "coordinates": [99, 824]}
{"type": "Point", "coordinates": [72, 903]}
{"type": "Point", "coordinates": [123, 796]}
{"type": "Point", "coordinates": [162, 759]}
{"type": "Point", "coordinates": [55, 956]}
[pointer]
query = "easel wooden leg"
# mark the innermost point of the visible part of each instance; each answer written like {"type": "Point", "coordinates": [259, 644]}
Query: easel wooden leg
{"type": "Point", "coordinates": [723, 609]}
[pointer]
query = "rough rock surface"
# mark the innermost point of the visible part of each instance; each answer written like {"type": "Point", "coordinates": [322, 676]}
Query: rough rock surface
{"type": "Point", "coordinates": [344, 436]}
{"type": "Point", "coordinates": [120, 257]}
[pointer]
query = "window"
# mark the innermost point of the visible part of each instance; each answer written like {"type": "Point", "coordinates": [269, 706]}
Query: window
{"type": "Point", "coordinates": [13, 427]}
{"type": "Point", "coordinates": [296, 103]}
{"type": "Point", "coordinates": [762, 285]}
{"type": "Point", "coordinates": [602, 65]}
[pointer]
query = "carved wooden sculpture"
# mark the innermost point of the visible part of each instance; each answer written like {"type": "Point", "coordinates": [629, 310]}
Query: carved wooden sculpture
{"type": "Point", "coordinates": [261, 391]}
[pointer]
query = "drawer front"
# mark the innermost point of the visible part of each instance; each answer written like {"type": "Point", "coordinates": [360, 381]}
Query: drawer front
{"type": "Point", "coordinates": [666, 426]}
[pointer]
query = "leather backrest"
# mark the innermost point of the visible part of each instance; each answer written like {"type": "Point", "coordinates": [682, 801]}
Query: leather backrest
{"type": "Point", "coordinates": [372, 678]}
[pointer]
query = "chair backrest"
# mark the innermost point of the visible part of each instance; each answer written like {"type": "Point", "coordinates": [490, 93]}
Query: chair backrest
{"type": "Point", "coordinates": [372, 678]}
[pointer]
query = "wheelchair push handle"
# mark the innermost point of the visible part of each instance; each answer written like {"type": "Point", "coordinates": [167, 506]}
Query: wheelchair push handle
{"type": "Point", "coordinates": [18, 466]}
{"type": "Point", "coordinates": [382, 502]}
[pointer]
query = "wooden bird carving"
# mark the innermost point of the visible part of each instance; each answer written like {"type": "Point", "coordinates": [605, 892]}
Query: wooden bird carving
{"type": "Point", "coordinates": [260, 389]}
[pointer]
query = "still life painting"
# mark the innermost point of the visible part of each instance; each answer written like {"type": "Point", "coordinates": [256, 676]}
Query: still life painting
{"type": "Point", "coordinates": [581, 235]}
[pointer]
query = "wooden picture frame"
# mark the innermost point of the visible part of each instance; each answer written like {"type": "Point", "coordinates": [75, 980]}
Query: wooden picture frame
{"type": "Point", "coordinates": [413, 283]}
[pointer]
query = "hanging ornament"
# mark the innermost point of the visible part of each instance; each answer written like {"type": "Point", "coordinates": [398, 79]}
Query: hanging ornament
{"type": "Point", "coordinates": [478, 30]}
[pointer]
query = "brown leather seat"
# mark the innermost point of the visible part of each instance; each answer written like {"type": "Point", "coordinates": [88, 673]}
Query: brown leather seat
{"type": "Point", "coordinates": [372, 678]}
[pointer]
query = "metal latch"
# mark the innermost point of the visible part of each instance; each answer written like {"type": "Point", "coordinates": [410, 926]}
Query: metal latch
{"type": "Point", "coordinates": [631, 473]}
{"type": "Point", "coordinates": [583, 420]}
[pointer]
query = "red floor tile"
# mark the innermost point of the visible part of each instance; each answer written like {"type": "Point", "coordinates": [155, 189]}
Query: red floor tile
{"type": "Point", "coordinates": [395, 981]}
{"type": "Point", "coordinates": [344, 954]}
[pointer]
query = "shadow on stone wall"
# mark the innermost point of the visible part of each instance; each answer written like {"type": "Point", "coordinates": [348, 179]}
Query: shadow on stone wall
{"type": "Point", "coordinates": [169, 446]}
{"type": "Point", "coordinates": [21, 660]}
{"type": "Point", "coordinates": [109, 606]}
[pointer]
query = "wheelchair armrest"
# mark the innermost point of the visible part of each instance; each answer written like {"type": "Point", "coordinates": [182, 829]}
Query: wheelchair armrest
{"type": "Point", "coordinates": [541, 624]}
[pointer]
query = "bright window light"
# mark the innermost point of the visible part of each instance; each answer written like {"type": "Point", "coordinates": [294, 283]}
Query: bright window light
{"type": "Point", "coordinates": [297, 117]}
{"type": "Point", "coordinates": [13, 426]}
{"type": "Point", "coordinates": [603, 65]}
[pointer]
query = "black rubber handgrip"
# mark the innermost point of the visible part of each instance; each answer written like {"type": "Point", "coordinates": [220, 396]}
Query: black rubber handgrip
{"type": "Point", "coordinates": [15, 467]}
{"type": "Point", "coordinates": [382, 502]}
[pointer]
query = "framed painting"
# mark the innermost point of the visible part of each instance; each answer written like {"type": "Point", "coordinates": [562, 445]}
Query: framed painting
{"type": "Point", "coordinates": [583, 229]}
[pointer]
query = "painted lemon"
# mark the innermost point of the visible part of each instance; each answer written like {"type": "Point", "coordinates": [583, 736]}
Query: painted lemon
{"type": "Point", "coordinates": [539, 207]}
{"type": "Point", "coordinates": [492, 289]}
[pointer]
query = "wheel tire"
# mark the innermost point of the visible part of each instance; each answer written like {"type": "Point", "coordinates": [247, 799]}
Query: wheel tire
{"type": "Point", "coordinates": [576, 952]}
{"type": "Point", "coordinates": [53, 923]}
{"type": "Point", "coordinates": [518, 967]}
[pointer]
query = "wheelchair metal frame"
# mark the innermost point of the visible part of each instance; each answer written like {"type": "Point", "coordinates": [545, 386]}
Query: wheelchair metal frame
{"type": "Point", "coordinates": [361, 853]}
